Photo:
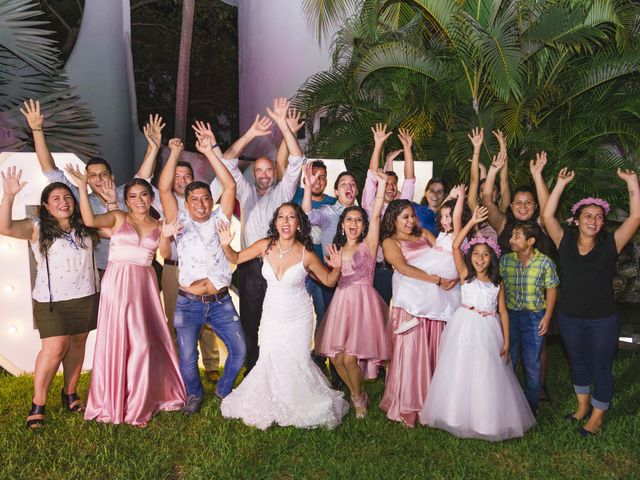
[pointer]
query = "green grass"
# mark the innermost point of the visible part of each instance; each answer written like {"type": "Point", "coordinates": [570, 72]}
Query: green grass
{"type": "Point", "coordinates": [208, 446]}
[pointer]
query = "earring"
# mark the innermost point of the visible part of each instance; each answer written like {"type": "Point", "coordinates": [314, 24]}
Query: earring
{"type": "Point", "coordinates": [342, 231]}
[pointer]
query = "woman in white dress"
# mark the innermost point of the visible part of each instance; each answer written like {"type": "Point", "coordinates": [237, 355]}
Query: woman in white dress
{"type": "Point", "coordinates": [285, 386]}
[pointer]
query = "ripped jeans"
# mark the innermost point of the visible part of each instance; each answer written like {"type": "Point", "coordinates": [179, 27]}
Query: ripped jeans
{"type": "Point", "coordinates": [190, 317]}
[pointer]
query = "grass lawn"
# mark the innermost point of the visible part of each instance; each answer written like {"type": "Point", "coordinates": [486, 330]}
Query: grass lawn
{"type": "Point", "coordinates": [207, 446]}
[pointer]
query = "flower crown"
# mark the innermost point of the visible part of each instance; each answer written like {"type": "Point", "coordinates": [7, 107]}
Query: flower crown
{"type": "Point", "coordinates": [588, 201]}
{"type": "Point", "coordinates": [487, 241]}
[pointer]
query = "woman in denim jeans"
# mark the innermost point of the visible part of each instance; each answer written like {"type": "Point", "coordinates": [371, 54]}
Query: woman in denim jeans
{"type": "Point", "coordinates": [587, 317]}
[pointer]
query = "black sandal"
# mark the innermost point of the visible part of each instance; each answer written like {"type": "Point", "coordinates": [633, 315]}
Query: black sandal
{"type": "Point", "coordinates": [71, 402]}
{"type": "Point", "coordinates": [36, 417]}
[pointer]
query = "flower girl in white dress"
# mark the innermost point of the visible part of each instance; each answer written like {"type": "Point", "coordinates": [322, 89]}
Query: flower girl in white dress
{"type": "Point", "coordinates": [474, 393]}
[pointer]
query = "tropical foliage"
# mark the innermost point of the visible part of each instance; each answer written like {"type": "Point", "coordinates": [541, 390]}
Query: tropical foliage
{"type": "Point", "coordinates": [29, 68]}
{"type": "Point", "coordinates": [560, 76]}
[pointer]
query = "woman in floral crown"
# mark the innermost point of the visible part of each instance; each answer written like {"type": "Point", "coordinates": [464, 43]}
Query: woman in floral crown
{"type": "Point", "coordinates": [587, 316]}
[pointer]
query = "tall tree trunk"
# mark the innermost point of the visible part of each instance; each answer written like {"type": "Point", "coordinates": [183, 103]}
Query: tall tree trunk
{"type": "Point", "coordinates": [182, 83]}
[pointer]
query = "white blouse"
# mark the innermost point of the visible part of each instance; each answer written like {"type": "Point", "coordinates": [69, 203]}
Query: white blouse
{"type": "Point", "coordinates": [72, 270]}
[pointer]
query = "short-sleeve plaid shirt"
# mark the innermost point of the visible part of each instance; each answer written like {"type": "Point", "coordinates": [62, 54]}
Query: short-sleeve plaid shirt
{"type": "Point", "coordinates": [525, 286]}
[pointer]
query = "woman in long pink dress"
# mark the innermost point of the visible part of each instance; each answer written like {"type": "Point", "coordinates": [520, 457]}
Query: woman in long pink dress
{"type": "Point", "coordinates": [414, 352]}
{"type": "Point", "coordinates": [135, 369]}
{"type": "Point", "coordinates": [353, 330]}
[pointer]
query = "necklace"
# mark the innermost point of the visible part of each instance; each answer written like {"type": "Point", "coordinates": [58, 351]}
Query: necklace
{"type": "Point", "coordinates": [284, 252]}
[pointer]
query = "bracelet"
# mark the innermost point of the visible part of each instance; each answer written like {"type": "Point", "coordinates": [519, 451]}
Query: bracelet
{"type": "Point", "coordinates": [439, 281]}
{"type": "Point", "coordinates": [36, 129]}
{"type": "Point", "coordinates": [215, 146]}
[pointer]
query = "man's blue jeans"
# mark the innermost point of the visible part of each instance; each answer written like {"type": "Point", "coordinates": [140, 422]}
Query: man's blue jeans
{"type": "Point", "coordinates": [190, 317]}
{"type": "Point", "coordinates": [526, 344]}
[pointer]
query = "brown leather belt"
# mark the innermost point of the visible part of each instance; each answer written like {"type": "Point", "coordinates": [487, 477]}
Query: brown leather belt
{"type": "Point", "coordinates": [173, 263]}
{"type": "Point", "coordinates": [214, 297]}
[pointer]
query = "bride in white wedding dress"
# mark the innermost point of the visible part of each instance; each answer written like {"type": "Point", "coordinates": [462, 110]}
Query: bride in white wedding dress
{"type": "Point", "coordinates": [285, 386]}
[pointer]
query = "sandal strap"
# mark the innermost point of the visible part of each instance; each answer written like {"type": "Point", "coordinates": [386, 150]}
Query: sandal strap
{"type": "Point", "coordinates": [72, 402]}
{"type": "Point", "coordinates": [36, 416]}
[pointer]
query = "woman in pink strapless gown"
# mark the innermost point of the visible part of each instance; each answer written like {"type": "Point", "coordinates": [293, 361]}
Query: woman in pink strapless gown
{"type": "Point", "coordinates": [415, 351]}
{"type": "Point", "coordinates": [135, 369]}
{"type": "Point", "coordinates": [353, 333]}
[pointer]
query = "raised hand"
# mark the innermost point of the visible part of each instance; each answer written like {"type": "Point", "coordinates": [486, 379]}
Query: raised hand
{"type": "Point", "coordinates": [78, 177]}
{"type": "Point", "coordinates": [279, 111]}
{"type": "Point", "coordinates": [203, 145]}
{"type": "Point", "coordinates": [176, 145]}
{"type": "Point", "coordinates": [499, 160]}
{"type": "Point", "coordinates": [502, 140]}
{"type": "Point", "coordinates": [108, 191]}
{"type": "Point", "coordinates": [391, 156]}
{"type": "Point", "coordinates": [225, 234]}
{"type": "Point", "coordinates": [381, 177]}
{"type": "Point", "coordinates": [405, 137]}
{"type": "Point", "coordinates": [627, 175]}
{"type": "Point", "coordinates": [457, 190]}
{"type": "Point", "coordinates": [261, 126]}
{"type": "Point", "coordinates": [153, 130]}
{"type": "Point", "coordinates": [333, 257]}
{"type": "Point", "coordinates": [32, 113]}
{"type": "Point", "coordinates": [309, 177]}
{"type": "Point", "coordinates": [480, 214]}
{"type": "Point", "coordinates": [11, 183]}
{"type": "Point", "coordinates": [293, 120]}
{"type": "Point", "coordinates": [477, 137]}
{"type": "Point", "coordinates": [380, 133]}
{"type": "Point", "coordinates": [204, 130]}
{"type": "Point", "coordinates": [538, 165]}
{"type": "Point", "coordinates": [565, 176]}
{"type": "Point", "coordinates": [171, 229]}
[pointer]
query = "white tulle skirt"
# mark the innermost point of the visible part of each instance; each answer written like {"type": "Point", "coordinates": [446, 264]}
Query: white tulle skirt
{"type": "Point", "coordinates": [474, 393]}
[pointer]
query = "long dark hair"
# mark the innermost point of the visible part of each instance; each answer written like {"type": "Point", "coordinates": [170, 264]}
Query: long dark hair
{"type": "Point", "coordinates": [50, 229]}
{"type": "Point", "coordinates": [341, 238]}
{"type": "Point", "coordinates": [575, 232]}
{"type": "Point", "coordinates": [138, 181]}
{"type": "Point", "coordinates": [388, 226]}
{"type": "Point", "coordinates": [303, 232]}
{"type": "Point", "coordinates": [493, 272]}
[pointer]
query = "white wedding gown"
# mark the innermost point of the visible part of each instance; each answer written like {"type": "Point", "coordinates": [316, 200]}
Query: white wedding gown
{"type": "Point", "coordinates": [285, 386]}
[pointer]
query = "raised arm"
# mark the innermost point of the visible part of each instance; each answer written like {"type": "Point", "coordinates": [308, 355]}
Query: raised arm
{"type": "Point", "coordinates": [11, 186]}
{"type": "Point", "coordinates": [393, 255]}
{"type": "Point", "coordinates": [309, 179]}
{"type": "Point", "coordinates": [457, 192]}
{"type": "Point", "coordinates": [153, 133]}
{"type": "Point", "coordinates": [282, 157]}
{"type": "Point", "coordinates": [373, 236]}
{"type": "Point", "coordinates": [477, 137]}
{"type": "Point", "coordinates": [204, 130]}
{"type": "Point", "coordinates": [542, 192]}
{"type": "Point", "coordinates": [255, 250]}
{"type": "Point", "coordinates": [380, 136]}
{"type": "Point", "coordinates": [279, 116]}
{"type": "Point", "coordinates": [479, 215]}
{"type": "Point", "coordinates": [228, 198]}
{"type": "Point", "coordinates": [407, 142]}
{"type": "Point", "coordinates": [497, 218]}
{"type": "Point", "coordinates": [549, 220]}
{"type": "Point", "coordinates": [625, 232]}
{"type": "Point", "coordinates": [321, 272]}
{"type": "Point", "coordinates": [167, 177]}
{"type": "Point", "coordinates": [106, 220]}
{"type": "Point", "coordinates": [35, 120]}
{"type": "Point", "coordinates": [505, 191]}
{"type": "Point", "coordinates": [261, 126]}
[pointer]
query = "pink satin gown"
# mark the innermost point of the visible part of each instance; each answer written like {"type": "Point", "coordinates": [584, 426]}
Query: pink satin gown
{"type": "Point", "coordinates": [135, 368]}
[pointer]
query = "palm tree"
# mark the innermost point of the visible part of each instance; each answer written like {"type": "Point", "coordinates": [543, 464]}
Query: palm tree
{"type": "Point", "coordinates": [184, 60]}
{"type": "Point", "coordinates": [559, 76]}
{"type": "Point", "coordinates": [29, 68]}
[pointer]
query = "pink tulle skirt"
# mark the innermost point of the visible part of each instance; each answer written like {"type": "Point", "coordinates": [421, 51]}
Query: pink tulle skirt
{"type": "Point", "coordinates": [413, 362]}
{"type": "Point", "coordinates": [355, 323]}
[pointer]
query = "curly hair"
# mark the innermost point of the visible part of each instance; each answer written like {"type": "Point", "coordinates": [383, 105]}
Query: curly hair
{"type": "Point", "coordinates": [303, 232]}
{"type": "Point", "coordinates": [340, 238]}
{"type": "Point", "coordinates": [50, 229]}
{"type": "Point", "coordinates": [493, 272]}
{"type": "Point", "coordinates": [388, 226]}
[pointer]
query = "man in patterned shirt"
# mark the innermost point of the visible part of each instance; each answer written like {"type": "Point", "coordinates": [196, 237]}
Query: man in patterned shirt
{"type": "Point", "coordinates": [530, 281]}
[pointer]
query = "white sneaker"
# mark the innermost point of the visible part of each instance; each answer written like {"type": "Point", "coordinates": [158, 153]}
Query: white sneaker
{"type": "Point", "coordinates": [406, 326]}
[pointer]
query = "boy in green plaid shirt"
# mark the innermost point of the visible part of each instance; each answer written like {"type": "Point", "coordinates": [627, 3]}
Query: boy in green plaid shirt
{"type": "Point", "coordinates": [530, 281]}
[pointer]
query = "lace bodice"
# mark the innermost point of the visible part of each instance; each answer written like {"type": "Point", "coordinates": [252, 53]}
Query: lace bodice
{"type": "Point", "coordinates": [126, 246]}
{"type": "Point", "coordinates": [482, 296]}
{"type": "Point", "coordinates": [359, 269]}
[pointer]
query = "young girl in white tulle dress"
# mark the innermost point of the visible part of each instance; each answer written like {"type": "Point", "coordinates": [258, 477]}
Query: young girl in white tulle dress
{"type": "Point", "coordinates": [438, 260]}
{"type": "Point", "coordinates": [474, 393]}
